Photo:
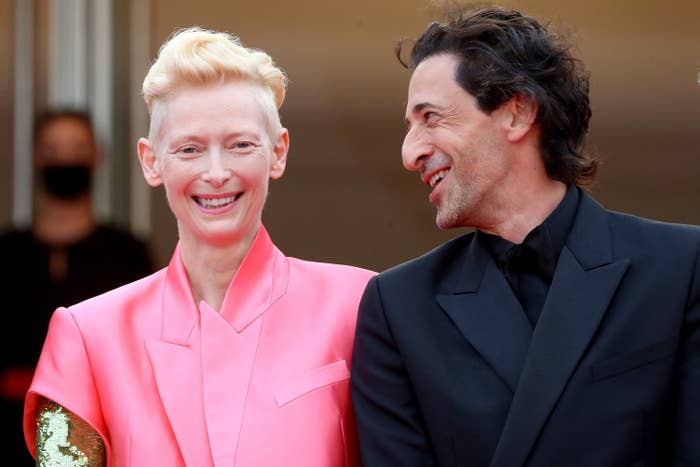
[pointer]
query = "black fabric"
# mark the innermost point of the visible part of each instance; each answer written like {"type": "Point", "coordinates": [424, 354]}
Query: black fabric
{"type": "Point", "coordinates": [104, 260]}
{"type": "Point", "coordinates": [529, 266]}
{"type": "Point", "coordinates": [447, 370]}
{"type": "Point", "coordinates": [67, 181]}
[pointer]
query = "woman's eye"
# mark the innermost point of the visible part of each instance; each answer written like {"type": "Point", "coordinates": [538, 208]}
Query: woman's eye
{"type": "Point", "coordinates": [243, 146]}
{"type": "Point", "coordinates": [188, 150]}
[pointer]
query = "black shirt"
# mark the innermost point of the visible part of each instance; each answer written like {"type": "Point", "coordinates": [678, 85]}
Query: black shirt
{"type": "Point", "coordinates": [103, 260]}
{"type": "Point", "coordinates": [529, 266]}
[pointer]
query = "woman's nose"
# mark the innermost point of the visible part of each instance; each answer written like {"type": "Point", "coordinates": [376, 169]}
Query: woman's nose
{"type": "Point", "coordinates": [216, 172]}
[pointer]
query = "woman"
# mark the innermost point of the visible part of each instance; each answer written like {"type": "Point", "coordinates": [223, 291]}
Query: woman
{"type": "Point", "coordinates": [234, 354]}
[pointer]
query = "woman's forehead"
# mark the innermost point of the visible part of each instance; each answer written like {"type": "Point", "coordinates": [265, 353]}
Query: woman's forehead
{"type": "Point", "coordinates": [225, 106]}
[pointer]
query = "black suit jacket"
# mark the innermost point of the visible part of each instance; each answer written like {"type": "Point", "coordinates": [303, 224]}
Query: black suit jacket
{"type": "Point", "coordinates": [448, 371]}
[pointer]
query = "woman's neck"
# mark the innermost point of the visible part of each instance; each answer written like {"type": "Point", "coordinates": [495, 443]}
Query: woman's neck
{"type": "Point", "coordinates": [211, 269]}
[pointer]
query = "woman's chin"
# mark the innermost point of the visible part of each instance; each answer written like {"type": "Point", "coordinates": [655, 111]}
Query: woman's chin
{"type": "Point", "coordinates": [223, 237]}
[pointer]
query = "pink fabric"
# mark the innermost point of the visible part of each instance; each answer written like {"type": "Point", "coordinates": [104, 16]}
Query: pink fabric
{"type": "Point", "coordinates": [263, 383]}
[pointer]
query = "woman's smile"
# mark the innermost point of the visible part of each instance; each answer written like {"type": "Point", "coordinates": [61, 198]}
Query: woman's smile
{"type": "Point", "coordinates": [217, 204]}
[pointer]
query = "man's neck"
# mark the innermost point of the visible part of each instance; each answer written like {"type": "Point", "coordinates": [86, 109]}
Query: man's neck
{"type": "Point", "coordinates": [59, 222]}
{"type": "Point", "coordinates": [523, 207]}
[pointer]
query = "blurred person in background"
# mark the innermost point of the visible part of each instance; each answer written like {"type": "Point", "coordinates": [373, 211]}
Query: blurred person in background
{"type": "Point", "coordinates": [234, 354]}
{"type": "Point", "coordinates": [64, 258]}
{"type": "Point", "coordinates": [559, 333]}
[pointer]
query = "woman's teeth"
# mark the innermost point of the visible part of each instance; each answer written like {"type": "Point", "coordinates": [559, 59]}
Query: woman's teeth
{"type": "Point", "coordinates": [212, 203]}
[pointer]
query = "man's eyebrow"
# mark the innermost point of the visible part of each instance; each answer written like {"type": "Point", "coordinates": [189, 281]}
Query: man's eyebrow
{"type": "Point", "coordinates": [424, 105]}
{"type": "Point", "coordinates": [418, 108]}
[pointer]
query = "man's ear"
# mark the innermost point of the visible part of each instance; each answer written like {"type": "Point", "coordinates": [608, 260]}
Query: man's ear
{"type": "Point", "coordinates": [521, 111]}
{"type": "Point", "coordinates": [280, 150]}
{"type": "Point", "coordinates": [149, 162]}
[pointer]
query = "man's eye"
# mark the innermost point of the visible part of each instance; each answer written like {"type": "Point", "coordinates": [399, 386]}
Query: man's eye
{"type": "Point", "coordinates": [428, 116]}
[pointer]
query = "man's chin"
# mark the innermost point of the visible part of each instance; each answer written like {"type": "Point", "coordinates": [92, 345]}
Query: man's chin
{"type": "Point", "coordinates": [444, 222]}
{"type": "Point", "coordinates": [450, 220]}
{"type": "Point", "coordinates": [441, 225]}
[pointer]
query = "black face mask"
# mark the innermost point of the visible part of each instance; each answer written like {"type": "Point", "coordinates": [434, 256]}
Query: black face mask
{"type": "Point", "coordinates": [67, 181]}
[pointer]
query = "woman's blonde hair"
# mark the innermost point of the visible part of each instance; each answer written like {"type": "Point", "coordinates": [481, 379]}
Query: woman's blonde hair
{"type": "Point", "coordinates": [198, 57]}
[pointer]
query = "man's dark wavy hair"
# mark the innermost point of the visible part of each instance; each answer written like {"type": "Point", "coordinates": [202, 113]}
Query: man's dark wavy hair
{"type": "Point", "coordinates": [504, 53]}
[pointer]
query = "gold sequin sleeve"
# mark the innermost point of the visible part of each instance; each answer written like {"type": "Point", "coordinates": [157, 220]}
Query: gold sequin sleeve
{"type": "Point", "coordinates": [64, 439]}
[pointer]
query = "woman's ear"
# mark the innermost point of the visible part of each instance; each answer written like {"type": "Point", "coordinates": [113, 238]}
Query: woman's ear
{"type": "Point", "coordinates": [280, 150]}
{"type": "Point", "coordinates": [522, 112]}
{"type": "Point", "coordinates": [149, 162]}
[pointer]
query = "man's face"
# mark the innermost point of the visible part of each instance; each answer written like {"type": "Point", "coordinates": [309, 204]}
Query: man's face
{"type": "Point", "coordinates": [458, 149]}
{"type": "Point", "coordinates": [65, 155]}
{"type": "Point", "coordinates": [65, 141]}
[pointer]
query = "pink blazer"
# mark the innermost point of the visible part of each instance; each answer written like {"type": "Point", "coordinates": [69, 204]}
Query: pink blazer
{"type": "Point", "coordinates": [263, 383]}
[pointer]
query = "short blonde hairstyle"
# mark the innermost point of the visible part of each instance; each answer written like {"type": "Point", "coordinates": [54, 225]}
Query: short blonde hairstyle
{"type": "Point", "coordinates": [199, 57]}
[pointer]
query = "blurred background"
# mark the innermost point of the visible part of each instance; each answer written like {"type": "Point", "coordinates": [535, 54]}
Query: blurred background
{"type": "Point", "coordinates": [345, 196]}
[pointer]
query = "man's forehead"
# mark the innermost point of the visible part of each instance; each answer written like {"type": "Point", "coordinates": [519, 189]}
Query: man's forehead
{"type": "Point", "coordinates": [436, 66]}
{"type": "Point", "coordinates": [66, 132]}
{"type": "Point", "coordinates": [432, 84]}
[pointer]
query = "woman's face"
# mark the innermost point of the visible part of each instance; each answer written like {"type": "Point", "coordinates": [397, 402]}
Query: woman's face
{"type": "Point", "coordinates": [214, 153]}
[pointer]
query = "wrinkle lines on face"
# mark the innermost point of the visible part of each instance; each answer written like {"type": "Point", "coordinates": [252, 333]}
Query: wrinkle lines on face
{"type": "Point", "coordinates": [449, 132]}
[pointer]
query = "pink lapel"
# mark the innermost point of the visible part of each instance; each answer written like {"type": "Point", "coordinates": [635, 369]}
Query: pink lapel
{"type": "Point", "coordinates": [230, 342]}
{"type": "Point", "coordinates": [260, 281]}
{"type": "Point", "coordinates": [227, 360]}
{"type": "Point", "coordinates": [177, 366]}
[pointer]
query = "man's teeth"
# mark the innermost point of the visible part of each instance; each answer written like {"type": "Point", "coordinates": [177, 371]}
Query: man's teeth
{"type": "Point", "coordinates": [211, 203]}
{"type": "Point", "coordinates": [435, 179]}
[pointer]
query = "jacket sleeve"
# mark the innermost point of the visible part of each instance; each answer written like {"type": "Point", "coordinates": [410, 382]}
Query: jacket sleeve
{"type": "Point", "coordinates": [63, 438]}
{"type": "Point", "coordinates": [390, 424]}
{"type": "Point", "coordinates": [687, 430]}
{"type": "Point", "coordinates": [64, 376]}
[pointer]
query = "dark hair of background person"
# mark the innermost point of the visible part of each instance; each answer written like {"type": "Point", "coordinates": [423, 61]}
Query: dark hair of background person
{"type": "Point", "coordinates": [503, 53]}
{"type": "Point", "coordinates": [47, 117]}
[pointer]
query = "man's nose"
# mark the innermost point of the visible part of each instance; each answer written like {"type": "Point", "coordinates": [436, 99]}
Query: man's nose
{"type": "Point", "coordinates": [415, 151]}
{"type": "Point", "coordinates": [216, 172]}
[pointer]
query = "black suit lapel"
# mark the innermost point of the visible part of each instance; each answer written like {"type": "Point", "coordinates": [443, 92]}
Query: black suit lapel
{"type": "Point", "coordinates": [482, 305]}
{"type": "Point", "coordinates": [584, 283]}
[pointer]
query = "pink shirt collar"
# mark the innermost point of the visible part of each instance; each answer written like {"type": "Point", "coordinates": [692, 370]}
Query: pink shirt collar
{"type": "Point", "coordinates": [259, 282]}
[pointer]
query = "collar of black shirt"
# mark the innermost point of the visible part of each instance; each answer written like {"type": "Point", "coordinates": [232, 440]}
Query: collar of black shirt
{"type": "Point", "coordinates": [540, 250]}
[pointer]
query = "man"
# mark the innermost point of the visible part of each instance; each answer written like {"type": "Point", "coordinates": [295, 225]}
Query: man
{"type": "Point", "coordinates": [557, 334]}
{"type": "Point", "coordinates": [65, 257]}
